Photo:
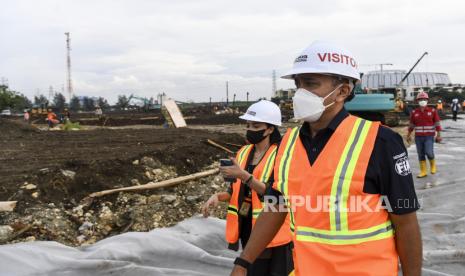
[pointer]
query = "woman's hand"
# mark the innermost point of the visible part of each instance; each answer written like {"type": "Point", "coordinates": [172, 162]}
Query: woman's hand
{"type": "Point", "coordinates": [213, 200]}
{"type": "Point", "coordinates": [234, 171]}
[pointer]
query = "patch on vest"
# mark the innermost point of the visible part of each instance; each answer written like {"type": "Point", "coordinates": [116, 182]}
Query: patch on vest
{"type": "Point", "coordinates": [402, 165]}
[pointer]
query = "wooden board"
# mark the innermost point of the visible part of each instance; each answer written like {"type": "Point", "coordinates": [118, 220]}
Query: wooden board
{"type": "Point", "coordinates": [175, 113]}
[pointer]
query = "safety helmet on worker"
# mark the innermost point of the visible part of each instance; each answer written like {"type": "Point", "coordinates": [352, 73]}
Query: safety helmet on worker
{"type": "Point", "coordinates": [324, 58]}
{"type": "Point", "coordinates": [422, 96]}
{"type": "Point", "coordinates": [264, 112]}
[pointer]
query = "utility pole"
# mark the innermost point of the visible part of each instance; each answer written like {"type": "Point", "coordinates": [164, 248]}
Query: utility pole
{"type": "Point", "coordinates": [248, 96]}
{"type": "Point", "coordinates": [234, 99]}
{"type": "Point", "coordinates": [4, 81]}
{"type": "Point", "coordinates": [68, 65]}
{"type": "Point", "coordinates": [227, 93]}
{"type": "Point", "coordinates": [50, 94]}
{"type": "Point", "coordinates": [273, 92]}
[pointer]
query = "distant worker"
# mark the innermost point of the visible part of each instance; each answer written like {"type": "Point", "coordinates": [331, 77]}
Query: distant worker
{"type": "Point", "coordinates": [67, 115]}
{"type": "Point", "coordinates": [426, 123]}
{"type": "Point", "coordinates": [252, 168]}
{"type": "Point", "coordinates": [455, 108]}
{"type": "Point", "coordinates": [27, 115]}
{"type": "Point", "coordinates": [440, 108]}
{"type": "Point", "coordinates": [325, 168]}
{"type": "Point", "coordinates": [99, 112]}
{"type": "Point", "coordinates": [463, 106]}
{"type": "Point", "coordinates": [399, 105]}
{"type": "Point", "coordinates": [51, 118]}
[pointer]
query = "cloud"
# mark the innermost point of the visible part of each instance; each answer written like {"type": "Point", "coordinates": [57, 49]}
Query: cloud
{"type": "Point", "coordinates": [189, 49]}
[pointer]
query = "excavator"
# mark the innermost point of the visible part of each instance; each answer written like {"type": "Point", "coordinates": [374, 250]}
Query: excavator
{"type": "Point", "coordinates": [385, 104]}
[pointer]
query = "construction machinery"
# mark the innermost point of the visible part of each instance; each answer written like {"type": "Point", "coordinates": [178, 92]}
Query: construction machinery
{"type": "Point", "coordinates": [384, 104]}
{"type": "Point", "coordinates": [144, 103]}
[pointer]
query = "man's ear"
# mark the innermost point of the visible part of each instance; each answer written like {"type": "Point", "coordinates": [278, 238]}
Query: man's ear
{"type": "Point", "coordinates": [344, 92]}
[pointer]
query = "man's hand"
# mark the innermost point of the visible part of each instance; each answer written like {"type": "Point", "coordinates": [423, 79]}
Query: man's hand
{"type": "Point", "coordinates": [238, 271]}
{"type": "Point", "coordinates": [409, 138]}
{"type": "Point", "coordinates": [213, 200]}
{"type": "Point", "coordinates": [234, 171]}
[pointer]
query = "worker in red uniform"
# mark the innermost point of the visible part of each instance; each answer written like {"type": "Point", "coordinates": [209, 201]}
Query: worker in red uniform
{"type": "Point", "coordinates": [426, 123]}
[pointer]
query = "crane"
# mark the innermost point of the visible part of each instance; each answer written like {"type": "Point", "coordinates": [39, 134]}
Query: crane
{"type": "Point", "coordinates": [400, 90]}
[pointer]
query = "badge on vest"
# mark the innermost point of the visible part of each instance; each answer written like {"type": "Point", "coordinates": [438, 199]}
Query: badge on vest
{"type": "Point", "coordinates": [245, 208]}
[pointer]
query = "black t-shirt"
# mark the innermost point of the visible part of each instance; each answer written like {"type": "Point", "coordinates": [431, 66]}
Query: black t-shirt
{"type": "Point", "coordinates": [388, 172]}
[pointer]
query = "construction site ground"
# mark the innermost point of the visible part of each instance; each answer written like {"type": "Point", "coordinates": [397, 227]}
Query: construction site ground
{"type": "Point", "coordinates": [50, 172]}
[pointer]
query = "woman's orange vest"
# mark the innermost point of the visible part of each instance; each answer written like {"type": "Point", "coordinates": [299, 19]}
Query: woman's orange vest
{"type": "Point", "coordinates": [335, 233]}
{"type": "Point", "coordinates": [262, 172]}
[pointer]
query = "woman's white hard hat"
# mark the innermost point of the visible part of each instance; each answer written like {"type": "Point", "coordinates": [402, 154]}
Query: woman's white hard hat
{"type": "Point", "coordinates": [263, 111]}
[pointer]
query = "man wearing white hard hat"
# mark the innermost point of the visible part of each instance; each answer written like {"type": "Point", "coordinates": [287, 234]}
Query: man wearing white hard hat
{"type": "Point", "coordinates": [248, 173]}
{"type": "Point", "coordinates": [346, 181]}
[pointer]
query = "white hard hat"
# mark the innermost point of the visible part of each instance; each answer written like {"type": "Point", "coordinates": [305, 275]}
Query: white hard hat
{"type": "Point", "coordinates": [325, 58]}
{"type": "Point", "coordinates": [263, 111]}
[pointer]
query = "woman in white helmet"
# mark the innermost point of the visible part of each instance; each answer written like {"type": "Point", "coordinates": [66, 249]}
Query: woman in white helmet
{"type": "Point", "coordinates": [250, 172]}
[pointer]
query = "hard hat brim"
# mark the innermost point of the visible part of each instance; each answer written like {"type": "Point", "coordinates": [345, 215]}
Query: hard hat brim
{"type": "Point", "coordinates": [248, 117]}
{"type": "Point", "coordinates": [291, 74]}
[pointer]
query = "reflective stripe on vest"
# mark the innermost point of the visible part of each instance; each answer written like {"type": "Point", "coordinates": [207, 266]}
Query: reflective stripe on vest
{"type": "Point", "coordinates": [284, 170]}
{"type": "Point", "coordinates": [339, 234]}
{"type": "Point", "coordinates": [243, 154]}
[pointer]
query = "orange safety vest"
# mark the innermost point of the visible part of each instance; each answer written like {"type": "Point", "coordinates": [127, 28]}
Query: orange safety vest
{"type": "Point", "coordinates": [262, 172]}
{"type": "Point", "coordinates": [439, 106]}
{"type": "Point", "coordinates": [333, 238]}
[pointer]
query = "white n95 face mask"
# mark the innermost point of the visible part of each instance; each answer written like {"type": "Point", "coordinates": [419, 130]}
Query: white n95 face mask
{"type": "Point", "coordinates": [308, 106]}
{"type": "Point", "coordinates": [423, 103]}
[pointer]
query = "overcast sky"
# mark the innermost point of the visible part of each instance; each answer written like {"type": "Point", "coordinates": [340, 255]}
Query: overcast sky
{"type": "Point", "coordinates": [189, 49]}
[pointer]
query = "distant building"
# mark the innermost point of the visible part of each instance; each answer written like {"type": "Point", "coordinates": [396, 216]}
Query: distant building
{"type": "Point", "coordinates": [388, 81]}
{"type": "Point", "coordinates": [374, 80]}
{"type": "Point", "coordinates": [284, 94]}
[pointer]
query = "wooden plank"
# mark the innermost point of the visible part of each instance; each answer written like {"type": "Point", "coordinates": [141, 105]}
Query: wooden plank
{"type": "Point", "coordinates": [161, 184]}
{"type": "Point", "coordinates": [175, 113]}
{"type": "Point", "coordinates": [7, 206]}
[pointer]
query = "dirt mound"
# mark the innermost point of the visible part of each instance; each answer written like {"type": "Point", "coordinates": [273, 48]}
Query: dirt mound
{"type": "Point", "coordinates": [98, 160]}
{"type": "Point", "coordinates": [209, 119]}
{"type": "Point", "coordinates": [15, 128]}
{"type": "Point", "coordinates": [50, 172]}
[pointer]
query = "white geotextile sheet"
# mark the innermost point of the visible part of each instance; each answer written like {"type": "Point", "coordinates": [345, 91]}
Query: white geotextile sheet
{"type": "Point", "coordinates": [442, 197]}
{"type": "Point", "coordinates": [197, 247]}
{"type": "Point", "coordinates": [193, 247]}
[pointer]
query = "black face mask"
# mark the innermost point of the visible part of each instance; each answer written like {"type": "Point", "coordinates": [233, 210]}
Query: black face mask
{"type": "Point", "coordinates": [255, 137]}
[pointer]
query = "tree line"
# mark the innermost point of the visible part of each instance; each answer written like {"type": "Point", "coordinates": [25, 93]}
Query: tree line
{"type": "Point", "coordinates": [18, 102]}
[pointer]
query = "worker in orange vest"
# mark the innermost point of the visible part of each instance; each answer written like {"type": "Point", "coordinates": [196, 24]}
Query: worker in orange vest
{"type": "Point", "coordinates": [251, 170]}
{"type": "Point", "coordinates": [51, 118]}
{"type": "Point", "coordinates": [346, 181]}
{"type": "Point", "coordinates": [440, 107]}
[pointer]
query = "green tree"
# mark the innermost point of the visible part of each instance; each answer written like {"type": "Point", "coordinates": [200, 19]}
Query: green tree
{"type": "Point", "coordinates": [59, 101]}
{"type": "Point", "coordinates": [75, 103]}
{"type": "Point", "coordinates": [122, 102]}
{"type": "Point", "coordinates": [103, 103]}
{"type": "Point", "coordinates": [13, 100]}
{"type": "Point", "coordinates": [88, 104]}
{"type": "Point", "coordinates": [40, 100]}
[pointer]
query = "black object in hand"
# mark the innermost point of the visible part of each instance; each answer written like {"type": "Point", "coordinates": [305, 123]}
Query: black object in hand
{"type": "Point", "coordinates": [227, 163]}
